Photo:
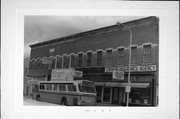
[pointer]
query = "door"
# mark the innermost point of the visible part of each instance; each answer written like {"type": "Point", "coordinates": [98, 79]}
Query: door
{"type": "Point", "coordinates": [115, 95]}
{"type": "Point", "coordinates": [99, 93]}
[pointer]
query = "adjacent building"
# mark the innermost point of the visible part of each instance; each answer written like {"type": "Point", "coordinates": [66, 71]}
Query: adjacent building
{"type": "Point", "coordinates": [100, 52]}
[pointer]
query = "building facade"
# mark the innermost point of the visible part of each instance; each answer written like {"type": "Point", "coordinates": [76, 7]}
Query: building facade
{"type": "Point", "coordinates": [97, 53]}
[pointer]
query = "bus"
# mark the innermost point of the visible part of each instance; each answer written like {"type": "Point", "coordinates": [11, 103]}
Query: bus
{"type": "Point", "coordinates": [78, 92]}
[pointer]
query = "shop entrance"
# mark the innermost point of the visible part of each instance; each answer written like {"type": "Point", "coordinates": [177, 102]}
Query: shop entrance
{"type": "Point", "coordinates": [115, 95]}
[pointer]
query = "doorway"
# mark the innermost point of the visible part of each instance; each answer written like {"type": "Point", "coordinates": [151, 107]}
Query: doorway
{"type": "Point", "coordinates": [115, 95]}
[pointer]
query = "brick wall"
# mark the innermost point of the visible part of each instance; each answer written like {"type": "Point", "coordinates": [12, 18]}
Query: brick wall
{"type": "Point", "coordinates": [107, 38]}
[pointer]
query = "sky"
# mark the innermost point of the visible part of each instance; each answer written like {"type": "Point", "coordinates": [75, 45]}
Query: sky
{"type": "Point", "coordinates": [43, 28]}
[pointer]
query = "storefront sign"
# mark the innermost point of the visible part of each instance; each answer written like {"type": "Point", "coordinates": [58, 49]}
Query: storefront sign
{"type": "Point", "coordinates": [51, 50]}
{"type": "Point", "coordinates": [78, 74]}
{"type": "Point", "coordinates": [62, 75]}
{"type": "Point", "coordinates": [135, 68]}
{"type": "Point", "coordinates": [119, 75]}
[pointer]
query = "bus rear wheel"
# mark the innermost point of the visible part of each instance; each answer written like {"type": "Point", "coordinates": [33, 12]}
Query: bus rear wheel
{"type": "Point", "coordinates": [63, 101]}
{"type": "Point", "coordinates": [38, 98]}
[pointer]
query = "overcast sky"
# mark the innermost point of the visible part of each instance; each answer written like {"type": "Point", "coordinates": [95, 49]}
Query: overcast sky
{"type": "Point", "coordinates": [43, 28]}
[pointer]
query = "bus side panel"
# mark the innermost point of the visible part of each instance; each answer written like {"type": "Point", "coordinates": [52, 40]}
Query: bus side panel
{"type": "Point", "coordinates": [72, 99]}
{"type": "Point", "coordinates": [51, 97]}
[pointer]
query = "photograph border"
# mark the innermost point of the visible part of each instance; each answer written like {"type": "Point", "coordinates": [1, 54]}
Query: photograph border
{"type": "Point", "coordinates": [21, 111]}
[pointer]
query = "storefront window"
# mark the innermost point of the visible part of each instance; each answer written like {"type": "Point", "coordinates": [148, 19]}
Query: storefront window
{"type": "Point", "coordinates": [140, 96]}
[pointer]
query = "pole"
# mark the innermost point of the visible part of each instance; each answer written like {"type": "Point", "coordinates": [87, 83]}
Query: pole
{"type": "Point", "coordinates": [129, 65]}
{"type": "Point", "coordinates": [129, 71]}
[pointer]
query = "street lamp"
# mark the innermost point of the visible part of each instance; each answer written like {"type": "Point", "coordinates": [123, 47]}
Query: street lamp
{"type": "Point", "coordinates": [129, 65]}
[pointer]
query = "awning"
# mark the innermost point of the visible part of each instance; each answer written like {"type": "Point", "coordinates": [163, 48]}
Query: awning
{"type": "Point", "coordinates": [117, 84]}
{"type": "Point", "coordinates": [38, 73]}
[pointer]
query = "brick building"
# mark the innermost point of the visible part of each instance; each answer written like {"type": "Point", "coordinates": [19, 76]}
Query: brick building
{"type": "Point", "coordinates": [98, 52]}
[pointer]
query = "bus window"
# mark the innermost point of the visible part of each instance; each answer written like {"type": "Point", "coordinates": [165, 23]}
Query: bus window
{"type": "Point", "coordinates": [55, 87]}
{"type": "Point", "coordinates": [42, 87]}
{"type": "Point", "coordinates": [62, 87]}
{"type": "Point", "coordinates": [72, 88]}
{"type": "Point", "coordinates": [88, 89]}
{"type": "Point", "coordinates": [48, 86]}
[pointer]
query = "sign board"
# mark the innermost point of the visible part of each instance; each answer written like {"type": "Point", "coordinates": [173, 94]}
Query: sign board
{"type": "Point", "coordinates": [46, 61]}
{"type": "Point", "coordinates": [118, 75]}
{"type": "Point", "coordinates": [128, 88]}
{"type": "Point", "coordinates": [78, 74]}
{"type": "Point", "coordinates": [134, 68]}
{"type": "Point", "coordinates": [62, 75]}
{"type": "Point", "coordinates": [51, 50]}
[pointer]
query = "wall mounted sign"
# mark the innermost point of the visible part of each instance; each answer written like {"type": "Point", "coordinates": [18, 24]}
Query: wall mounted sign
{"type": "Point", "coordinates": [62, 75]}
{"type": "Point", "coordinates": [134, 68]}
{"type": "Point", "coordinates": [78, 74]}
{"type": "Point", "coordinates": [51, 50]}
{"type": "Point", "coordinates": [119, 75]}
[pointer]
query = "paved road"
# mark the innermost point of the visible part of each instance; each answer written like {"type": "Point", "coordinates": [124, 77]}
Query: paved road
{"type": "Point", "coordinates": [29, 101]}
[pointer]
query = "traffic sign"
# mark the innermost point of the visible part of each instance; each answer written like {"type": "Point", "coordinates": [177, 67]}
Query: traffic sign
{"type": "Point", "coordinates": [128, 88]}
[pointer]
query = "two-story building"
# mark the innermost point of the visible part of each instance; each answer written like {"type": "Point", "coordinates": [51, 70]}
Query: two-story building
{"type": "Point", "coordinates": [97, 53]}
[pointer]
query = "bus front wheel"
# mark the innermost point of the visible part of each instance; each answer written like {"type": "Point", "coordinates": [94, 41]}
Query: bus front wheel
{"type": "Point", "coordinates": [64, 101]}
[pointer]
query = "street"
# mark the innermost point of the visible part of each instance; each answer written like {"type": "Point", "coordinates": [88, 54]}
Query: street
{"type": "Point", "coordinates": [29, 102]}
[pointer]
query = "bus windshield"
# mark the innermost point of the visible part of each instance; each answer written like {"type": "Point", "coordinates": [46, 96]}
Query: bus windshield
{"type": "Point", "coordinates": [88, 89]}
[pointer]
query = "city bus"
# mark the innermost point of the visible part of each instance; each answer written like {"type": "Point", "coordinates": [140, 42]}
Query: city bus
{"type": "Point", "coordinates": [78, 92]}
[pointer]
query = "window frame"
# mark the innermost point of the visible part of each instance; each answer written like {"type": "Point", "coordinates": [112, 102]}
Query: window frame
{"type": "Point", "coordinates": [89, 59]}
{"type": "Point", "coordinates": [72, 62]}
{"type": "Point", "coordinates": [145, 55]}
{"type": "Point", "coordinates": [109, 57]}
{"type": "Point", "coordinates": [80, 59]}
{"type": "Point", "coordinates": [120, 56]}
{"type": "Point", "coordinates": [99, 58]}
{"type": "Point", "coordinates": [134, 55]}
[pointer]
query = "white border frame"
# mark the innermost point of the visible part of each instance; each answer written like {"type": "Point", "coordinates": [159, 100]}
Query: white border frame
{"type": "Point", "coordinates": [12, 99]}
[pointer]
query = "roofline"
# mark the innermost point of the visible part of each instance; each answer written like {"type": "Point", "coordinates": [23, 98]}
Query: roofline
{"type": "Point", "coordinates": [79, 34]}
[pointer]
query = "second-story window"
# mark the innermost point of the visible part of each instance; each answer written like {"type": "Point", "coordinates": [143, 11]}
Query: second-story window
{"type": "Point", "coordinates": [72, 60]}
{"type": "Point", "coordinates": [109, 57]}
{"type": "Point", "coordinates": [59, 62]}
{"type": "Point", "coordinates": [147, 53]}
{"type": "Point", "coordinates": [120, 56]}
{"type": "Point", "coordinates": [80, 59]}
{"type": "Point", "coordinates": [134, 55]}
{"type": "Point", "coordinates": [35, 64]}
{"type": "Point", "coordinates": [39, 65]}
{"type": "Point", "coordinates": [99, 58]}
{"type": "Point", "coordinates": [66, 62]}
{"type": "Point", "coordinates": [89, 58]}
{"type": "Point", "coordinates": [31, 64]}
{"type": "Point", "coordinates": [52, 63]}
